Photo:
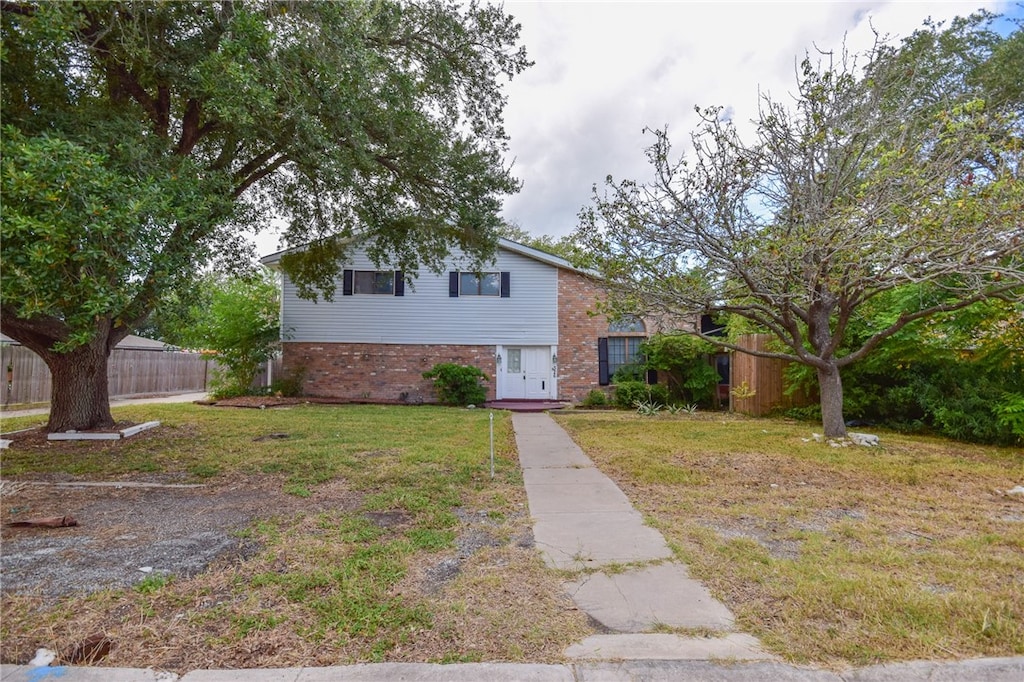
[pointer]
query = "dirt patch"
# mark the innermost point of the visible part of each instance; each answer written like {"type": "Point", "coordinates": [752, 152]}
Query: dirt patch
{"type": "Point", "coordinates": [129, 529]}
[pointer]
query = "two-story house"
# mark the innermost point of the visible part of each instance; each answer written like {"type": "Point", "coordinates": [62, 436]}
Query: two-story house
{"type": "Point", "coordinates": [527, 321]}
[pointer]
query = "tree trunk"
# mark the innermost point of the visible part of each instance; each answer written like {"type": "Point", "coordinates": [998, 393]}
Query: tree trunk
{"type": "Point", "coordinates": [80, 398]}
{"type": "Point", "coordinates": [831, 386]}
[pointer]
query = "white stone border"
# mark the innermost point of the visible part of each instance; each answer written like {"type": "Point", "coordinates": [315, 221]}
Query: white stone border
{"type": "Point", "coordinates": [88, 435]}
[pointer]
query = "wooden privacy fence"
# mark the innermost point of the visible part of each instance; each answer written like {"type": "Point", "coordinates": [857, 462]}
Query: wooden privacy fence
{"type": "Point", "coordinates": [130, 372]}
{"type": "Point", "coordinates": [764, 377]}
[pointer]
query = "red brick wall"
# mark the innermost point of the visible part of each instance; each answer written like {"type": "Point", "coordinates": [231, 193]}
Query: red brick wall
{"type": "Point", "coordinates": [379, 372]}
{"type": "Point", "coordinates": [578, 332]}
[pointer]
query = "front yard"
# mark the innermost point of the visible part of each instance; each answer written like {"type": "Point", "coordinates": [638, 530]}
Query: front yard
{"type": "Point", "coordinates": [368, 533]}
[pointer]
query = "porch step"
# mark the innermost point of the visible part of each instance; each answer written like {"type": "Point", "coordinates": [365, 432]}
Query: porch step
{"type": "Point", "coordinates": [525, 405]}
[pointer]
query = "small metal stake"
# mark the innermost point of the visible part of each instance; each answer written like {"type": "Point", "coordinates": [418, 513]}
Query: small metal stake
{"type": "Point", "coordinates": [492, 444]}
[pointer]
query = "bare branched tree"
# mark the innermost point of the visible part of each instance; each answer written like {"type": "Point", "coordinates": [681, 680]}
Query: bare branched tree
{"type": "Point", "coordinates": [901, 169]}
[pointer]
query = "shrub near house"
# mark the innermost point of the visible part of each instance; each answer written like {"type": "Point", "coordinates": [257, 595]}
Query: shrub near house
{"type": "Point", "coordinates": [457, 384]}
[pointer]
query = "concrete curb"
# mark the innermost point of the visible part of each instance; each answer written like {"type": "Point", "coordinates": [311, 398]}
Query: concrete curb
{"type": "Point", "coordinates": [975, 670]}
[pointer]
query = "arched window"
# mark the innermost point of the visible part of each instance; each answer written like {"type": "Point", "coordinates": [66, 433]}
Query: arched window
{"type": "Point", "coordinates": [627, 324]}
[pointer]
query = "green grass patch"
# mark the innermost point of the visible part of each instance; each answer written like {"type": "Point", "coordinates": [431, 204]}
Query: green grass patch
{"type": "Point", "coordinates": [152, 583]}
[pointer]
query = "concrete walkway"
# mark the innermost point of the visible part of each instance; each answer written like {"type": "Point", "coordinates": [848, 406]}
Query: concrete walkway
{"type": "Point", "coordinates": [621, 573]}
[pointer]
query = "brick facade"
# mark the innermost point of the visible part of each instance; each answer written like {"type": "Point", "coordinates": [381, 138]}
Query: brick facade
{"type": "Point", "coordinates": [578, 331]}
{"type": "Point", "coordinates": [379, 373]}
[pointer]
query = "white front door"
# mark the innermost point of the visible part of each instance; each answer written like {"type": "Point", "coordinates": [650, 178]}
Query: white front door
{"type": "Point", "coordinates": [527, 374]}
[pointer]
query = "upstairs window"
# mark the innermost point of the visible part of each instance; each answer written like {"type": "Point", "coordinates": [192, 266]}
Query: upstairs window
{"type": "Point", "coordinates": [479, 284]}
{"type": "Point", "coordinates": [482, 284]}
{"type": "Point", "coordinates": [374, 282]}
{"type": "Point", "coordinates": [381, 282]}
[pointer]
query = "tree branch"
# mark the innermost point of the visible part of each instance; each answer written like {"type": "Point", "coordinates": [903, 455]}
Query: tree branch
{"type": "Point", "coordinates": [121, 81]}
{"type": "Point", "coordinates": [259, 175]}
{"type": "Point", "coordinates": [17, 8]}
{"type": "Point", "coordinates": [37, 333]}
{"type": "Point", "coordinates": [191, 131]}
{"type": "Point", "coordinates": [907, 318]}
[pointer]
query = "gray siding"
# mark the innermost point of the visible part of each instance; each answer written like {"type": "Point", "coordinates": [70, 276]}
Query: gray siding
{"type": "Point", "coordinates": [426, 314]}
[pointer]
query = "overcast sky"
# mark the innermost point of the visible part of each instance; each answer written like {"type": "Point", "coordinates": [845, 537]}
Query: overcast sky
{"type": "Point", "coordinates": [605, 70]}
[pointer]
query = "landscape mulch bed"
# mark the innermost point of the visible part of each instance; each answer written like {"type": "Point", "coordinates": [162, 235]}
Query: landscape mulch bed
{"type": "Point", "coordinates": [265, 401]}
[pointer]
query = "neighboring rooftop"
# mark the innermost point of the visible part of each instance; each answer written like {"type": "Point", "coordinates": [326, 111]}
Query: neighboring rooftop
{"type": "Point", "coordinates": [130, 342]}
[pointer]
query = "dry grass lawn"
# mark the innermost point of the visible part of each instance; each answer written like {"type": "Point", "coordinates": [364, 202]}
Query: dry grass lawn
{"type": "Point", "coordinates": [834, 556]}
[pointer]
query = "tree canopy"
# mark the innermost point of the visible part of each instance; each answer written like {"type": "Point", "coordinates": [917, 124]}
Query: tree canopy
{"type": "Point", "coordinates": [899, 166]}
{"type": "Point", "coordinates": [238, 317]}
{"type": "Point", "coordinates": [140, 139]}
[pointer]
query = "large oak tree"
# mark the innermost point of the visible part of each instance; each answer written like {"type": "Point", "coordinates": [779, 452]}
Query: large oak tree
{"type": "Point", "coordinates": [140, 139]}
{"type": "Point", "coordinates": [899, 166]}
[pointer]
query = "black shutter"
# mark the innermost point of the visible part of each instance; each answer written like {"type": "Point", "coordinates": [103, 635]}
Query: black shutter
{"type": "Point", "coordinates": [453, 284]}
{"type": "Point", "coordinates": [346, 287]}
{"type": "Point", "coordinates": [602, 362]}
{"type": "Point", "coordinates": [652, 376]}
{"type": "Point", "coordinates": [506, 280]}
{"type": "Point", "coordinates": [399, 283]}
{"type": "Point", "coordinates": [709, 327]}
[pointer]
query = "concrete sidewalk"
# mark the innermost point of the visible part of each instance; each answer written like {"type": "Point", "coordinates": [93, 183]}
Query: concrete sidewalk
{"type": "Point", "coordinates": [622, 574]}
{"type": "Point", "coordinates": [583, 523]}
{"type": "Point", "coordinates": [118, 402]}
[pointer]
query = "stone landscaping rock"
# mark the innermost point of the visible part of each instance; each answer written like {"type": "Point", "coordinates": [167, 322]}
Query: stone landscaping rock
{"type": "Point", "coordinates": [865, 439]}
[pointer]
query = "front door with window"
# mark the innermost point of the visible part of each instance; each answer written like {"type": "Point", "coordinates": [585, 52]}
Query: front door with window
{"type": "Point", "coordinates": [527, 374]}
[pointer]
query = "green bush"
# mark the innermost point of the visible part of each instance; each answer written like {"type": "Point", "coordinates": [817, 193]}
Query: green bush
{"type": "Point", "coordinates": [1010, 411]}
{"type": "Point", "coordinates": [629, 393]}
{"type": "Point", "coordinates": [595, 398]}
{"type": "Point", "coordinates": [630, 372]}
{"type": "Point", "coordinates": [807, 413]}
{"type": "Point", "coordinates": [956, 375]}
{"type": "Point", "coordinates": [223, 386]}
{"type": "Point", "coordinates": [683, 360]}
{"type": "Point", "coordinates": [238, 317]}
{"type": "Point", "coordinates": [458, 384]}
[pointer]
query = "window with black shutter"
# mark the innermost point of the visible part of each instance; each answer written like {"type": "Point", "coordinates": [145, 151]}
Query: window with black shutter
{"type": "Point", "coordinates": [373, 282]}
